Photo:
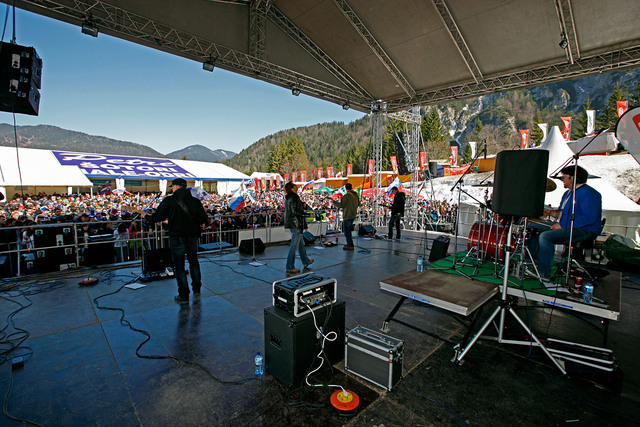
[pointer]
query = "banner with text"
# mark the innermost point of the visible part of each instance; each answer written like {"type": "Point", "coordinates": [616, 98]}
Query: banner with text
{"type": "Point", "coordinates": [423, 160]}
{"type": "Point", "coordinates": [330, 171]}
{"type": "Point", "coordinates": [109, 165]}
{"type": "Point", "coordinates": [591, 123]}
{"type": "Point", "coordinates": [349, 169]}
{"type": "Point", "coordinates": [524, 135]}
{"type": "Point", "coordinates": [394, 164]}
{"type": "Point", "coordinates": [370, 166]}
{"type": "Point", "coordinates": [566, 132]}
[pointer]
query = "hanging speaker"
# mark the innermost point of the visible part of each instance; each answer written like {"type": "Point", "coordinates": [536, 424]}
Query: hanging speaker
{"type": "Point", "coordinates": [520, 182]}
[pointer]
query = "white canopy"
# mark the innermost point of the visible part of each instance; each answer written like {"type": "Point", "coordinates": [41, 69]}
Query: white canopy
{"type": "Point", "coordinates": [39, 168]}
{"type": "Point", "coordinates": [606, 142]}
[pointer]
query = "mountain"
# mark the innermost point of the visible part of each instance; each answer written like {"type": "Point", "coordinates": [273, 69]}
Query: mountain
{"type": "Point", "coordinates": [201, 153]}
{"type": "Point", "coordinates": [54, 138]}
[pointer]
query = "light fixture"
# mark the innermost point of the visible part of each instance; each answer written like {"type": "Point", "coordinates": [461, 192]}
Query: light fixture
{"type": "Point", "coordinates": [208, 65]}
{"type": "Point", "coordinates": [346, 106]}
{"type": "Point", "coordinates": [89, 27]}
{"type": "Point", "coordinates": [295, 91]}
{"type": "Point", "coordinates": [563, 42]}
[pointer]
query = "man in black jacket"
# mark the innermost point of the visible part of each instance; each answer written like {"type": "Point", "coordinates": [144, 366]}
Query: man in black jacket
{"type": "Point", "coordinates": [186, 216]}
{"type": "Point", "coordinates": [397, 211]}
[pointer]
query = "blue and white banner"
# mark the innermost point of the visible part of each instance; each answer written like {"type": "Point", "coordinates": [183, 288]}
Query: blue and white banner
{"type": "Point", "coordinates": [109, 165]}
{"type": "Point", "coordinates": [591, 123]}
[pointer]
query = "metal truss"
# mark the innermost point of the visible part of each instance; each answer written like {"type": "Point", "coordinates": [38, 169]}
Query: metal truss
{"type": "Point", "coordinates": [450, 22]}
{"type": "Point", "coordinates": [289, 28]}
{"type": "Point", "coordinates": [568, 29]}
{"type": "Point", "coordinates": [122, 23]}
{"type": "Point", "coordinates": [605, 62]}
{"type": "Point", "coordinates": [257, 27]}
{"type": "Point", "coordinates": [371, 41]}
{"type": "Point", "coordinates": [378, 111]}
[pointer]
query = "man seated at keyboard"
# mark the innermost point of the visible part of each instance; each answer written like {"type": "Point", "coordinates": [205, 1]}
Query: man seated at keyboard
{"type": "Point", "coordinates": [587, 223]}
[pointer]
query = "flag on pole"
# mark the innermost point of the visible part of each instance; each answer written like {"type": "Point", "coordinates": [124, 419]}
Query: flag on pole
{"type": "Point", "coordinates": [236, 201]}
{"type": "Point", "coordinates": [566, 132]}
{"type": "Point", "coordinates": [396, 183]}
{"type": "Point", "coordinates": [106, 189]}
{"type": "Point", "coordinates": [349, 169]}
{"type": "Point", "coordinates": [293, 176]}
{"type": "Point", "coordinates": [329, 171]}
{"type": "Point", "coordinates": [339, 174]}
{"type": "Point", "coordinates": [544, 127]}
{"type": "Point", "coordinates": [591, 123]}
{"type": "Point", "coordinates": [621, 107]}
{"type": "Point", "coordinates": [394, 164]}
{"type": "Point", "coordinates": [524, 135]}
{"type": "Point", "coordinates": [423, 160]}
{"type": "Point", "coordinates": [339, 193]}
{"type": "Point", "coordinates": [308, 185]}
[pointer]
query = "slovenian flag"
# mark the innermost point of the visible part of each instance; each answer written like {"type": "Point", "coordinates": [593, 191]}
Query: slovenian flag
{"type": "Point", "coordinates": [307, 185]}
{"type": "Point", "coordinates": [106, 188]}
{"type": "Point", "coordinates": [339, 174]}
{"type": "Point", "coordinates": [236, 201]}
{"type": "Point", "coordinates": [396, 183]}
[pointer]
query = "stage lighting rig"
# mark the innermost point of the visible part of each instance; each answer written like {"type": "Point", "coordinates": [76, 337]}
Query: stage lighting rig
{"type": "Point", "coordinates": [208, 65]}
{"type": "Point", "coordinates": [89, 27]}
{"type": "Point", "coordinates": [563, 41]}
{"type": "Point", "coordinates": [295, 91]}
{"type": "Point", "coordinates": [346, 106]}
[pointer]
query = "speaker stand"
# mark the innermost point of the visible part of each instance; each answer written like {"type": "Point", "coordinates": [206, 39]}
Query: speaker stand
{"type": "Point", "coordinates": [254, 262]}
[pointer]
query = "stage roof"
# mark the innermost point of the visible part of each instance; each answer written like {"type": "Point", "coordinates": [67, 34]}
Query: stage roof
{"type": "Point", "coordinates": [356, 52]}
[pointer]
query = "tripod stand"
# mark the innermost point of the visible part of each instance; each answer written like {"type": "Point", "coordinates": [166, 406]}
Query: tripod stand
{"type": "Point", "coordinates": [506, 305]}
{"type": "Point", "coordinates": [253, 260]}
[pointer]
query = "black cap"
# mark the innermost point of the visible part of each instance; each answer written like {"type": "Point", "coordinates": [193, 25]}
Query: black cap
{"type": "Point", "coordinates": [179, 181]}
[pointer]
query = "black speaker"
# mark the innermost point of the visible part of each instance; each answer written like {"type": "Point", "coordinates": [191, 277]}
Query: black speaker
{"type": "Point", "coordinates": [156, 260]}
{"type": "Point", "coordinates": [291, 343]}
{"type": "Point", "coordinates": [439, 248]}
{"type": "Point", "coordinates": [433, 169]}
{"type": "Point", "coordinates": [20, 79]}
{"type": "Point", "coordinates": [308, 238]}
{"type": "Point", "coordinates": [367, 230]}
{"type": "Point", "coordinates": [246, 246]}
{"type": "Point", "coordinates": [520, 182]}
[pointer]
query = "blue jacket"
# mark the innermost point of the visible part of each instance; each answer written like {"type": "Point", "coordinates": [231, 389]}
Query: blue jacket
{"type": "Point", "coordinates": [588, 213]}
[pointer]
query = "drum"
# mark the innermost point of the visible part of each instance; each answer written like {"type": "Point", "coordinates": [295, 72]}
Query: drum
{"type": "Point", "coordinates": [483, 236]}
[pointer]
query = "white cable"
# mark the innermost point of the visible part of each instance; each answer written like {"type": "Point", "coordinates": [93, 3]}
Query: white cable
{"type": "Point", "coordinates": [319, 355]}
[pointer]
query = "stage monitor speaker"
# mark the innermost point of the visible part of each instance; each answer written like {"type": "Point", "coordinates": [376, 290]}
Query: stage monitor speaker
{"type": "Point", "coordinates": [520, 182]}
{"type": "Point", "coordinates": [291, 343]}
{"type": "Point", "coordinates": [367, 230]}
{"type": "Point", "coordinates": [308, 238]}
{"type": "Point", "coordinates": [156, 260]}
{"type": "Point", "coordinates": [433, 169]}
{"type": "Point", "coordinates": [246, 246]}
{"type": "Point", "coordinates": [439, 248]}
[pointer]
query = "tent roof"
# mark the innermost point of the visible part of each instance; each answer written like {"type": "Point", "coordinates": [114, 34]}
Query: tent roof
{"type": "Point", "coordinates": [603, 143]}
{"type": "Point", "coordinates": [357, 52]}
{"type": "Point", "coordinates": [37, 167]}
{"type": "Point", "coordinates": [211, 171]}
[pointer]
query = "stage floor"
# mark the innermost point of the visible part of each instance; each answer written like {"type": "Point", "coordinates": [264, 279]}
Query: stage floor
{"type": "Point", "coordinates": [83, 369]}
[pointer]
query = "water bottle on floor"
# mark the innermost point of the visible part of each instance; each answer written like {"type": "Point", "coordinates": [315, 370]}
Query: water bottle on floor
{"type": "Point", "coordinates": [420, 264]}
{"type": "Point", "coordinates": [588, 293]}
{"type": "Point", "coordinates": [259, 362]}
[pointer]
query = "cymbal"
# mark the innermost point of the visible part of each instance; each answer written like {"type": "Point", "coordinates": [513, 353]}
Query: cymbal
{"type": "Point", "coordinates": [550, 186]}
{"type": "Point", "coordinates": [486, 184]}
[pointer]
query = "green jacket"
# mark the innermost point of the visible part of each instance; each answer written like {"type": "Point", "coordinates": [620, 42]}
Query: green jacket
{"type": "Point", "coordinates": [349, 205]}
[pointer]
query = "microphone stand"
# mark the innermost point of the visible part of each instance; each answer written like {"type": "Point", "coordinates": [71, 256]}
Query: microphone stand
{"type": "Point", "coordinates": [253, 261]}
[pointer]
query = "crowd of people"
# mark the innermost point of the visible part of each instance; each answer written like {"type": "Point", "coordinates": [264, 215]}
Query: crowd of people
{"type": "Point", "coordinates": [102, 214]}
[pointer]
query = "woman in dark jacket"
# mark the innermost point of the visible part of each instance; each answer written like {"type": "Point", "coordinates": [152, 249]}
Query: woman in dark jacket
{"type": "Point", "coordinates": [294, 220]}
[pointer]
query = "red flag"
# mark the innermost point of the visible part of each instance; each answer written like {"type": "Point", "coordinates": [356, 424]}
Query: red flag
{"type": "Point", "coordinates": [313, 174]}
{"type": "Point", "coordinates": [293, 176]}
{"type": "Point", "coordinates": [319, 173]}
{"type": "Point", "coordinates": [257, 184]}
{"type": "Point", "coordinates": [454, 154]}
{"type": "Point", "coordinates": [330, 171]}
{"type": "Point", "coordinates": [349, 169]}
{"type": "Point", "coordinates": [286, 177]}
{"type": "Point", "coordinates": [567, 127]}
{"type": "Point", "coordinates": [264, 183]}
{"type": "Point", "coordinates": [278, 181]}
{"type": "Point", "coordinates": [370, 166]}
{"type": "Point", "coordinates": [524, 134]}
{"type": "Point", "coordinates": [394, 164]}
{"type": "Point", "coordinates": [622, 106]}
{"type": "Point", "coordinates": [303, 176]}
{"type": "Point", "coordinates": [423, 160]}
{"type": "Point", "coordinates": [271, 183]}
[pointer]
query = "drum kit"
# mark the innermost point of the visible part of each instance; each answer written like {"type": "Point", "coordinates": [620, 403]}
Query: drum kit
{"type": "Point", "coordinates": [487, 240]}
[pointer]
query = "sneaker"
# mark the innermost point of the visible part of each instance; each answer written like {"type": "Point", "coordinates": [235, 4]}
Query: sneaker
{"type": "Point", "coordinates": [196, 291]}
{"type": "Point", "coordinates": [347, 248]}
{"type": "Point", "coordinates": [181, 300]}
{"type": "Point", "coordinates": [293, 271]}
{"type": "Point", "coordinates": [309, 263]}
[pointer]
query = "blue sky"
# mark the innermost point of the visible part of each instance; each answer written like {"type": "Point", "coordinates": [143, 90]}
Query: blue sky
{"type": "Point", "coordinates": [110, 87]}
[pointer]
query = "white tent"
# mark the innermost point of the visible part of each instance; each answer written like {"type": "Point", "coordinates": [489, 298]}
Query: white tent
{"type": "Point", "coordinates": [606, 142]}
{"type": "Point", "coordinates": [37, 167]}
{"type": "Point", "coordinates": [622, 214]}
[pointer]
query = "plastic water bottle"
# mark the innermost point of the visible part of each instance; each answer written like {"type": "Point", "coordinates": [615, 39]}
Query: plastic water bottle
{"type": "Point", "coordinates": [259, 361]}
{"type": "Point", "coordinates": [420, 264]}
{"type": "Point", "coordinates": [588, 293]}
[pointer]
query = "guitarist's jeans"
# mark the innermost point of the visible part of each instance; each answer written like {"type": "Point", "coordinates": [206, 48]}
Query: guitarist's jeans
{"type": "Point", "coordinates": [394, 221]}
{"type": "Point", "coordinates": [179, 247]}
{"type": "Point", "coordinates": [545, 246]}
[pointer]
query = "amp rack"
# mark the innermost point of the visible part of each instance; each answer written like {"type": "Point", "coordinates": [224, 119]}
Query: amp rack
{"type": "Point", "coordinates": [300, 294]}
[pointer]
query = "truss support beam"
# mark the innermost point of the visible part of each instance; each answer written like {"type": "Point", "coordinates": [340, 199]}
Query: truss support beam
{"type": "Point", "coordinates": [378, 111]}
{"type": "Point", "coordinates": [122, 23]}
{"type": "Point", "coordinates": [568, 29]}
{"type": "Point", "coordinates": [297, 35]}
{"type": "Point", "coordinates": [454, 31]}
{"type": "Point", "coordinates": [606, 62]}
{"type": "Point", "coordinates": [257, 27]}
{"type": "Point", "coordinates": [373, 44]}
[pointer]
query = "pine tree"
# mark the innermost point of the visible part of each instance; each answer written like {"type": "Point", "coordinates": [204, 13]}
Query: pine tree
{"type": "Point", "coordinates": [288, 156]}
{"type": "Point", "coordinates": [609, 116]}
{"type": "Point", "coordinates": [467, 156]}
{"type": "Point", "coordinates": [536, 132]}
{"type": "Point", "coordinates": [434, 136]}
